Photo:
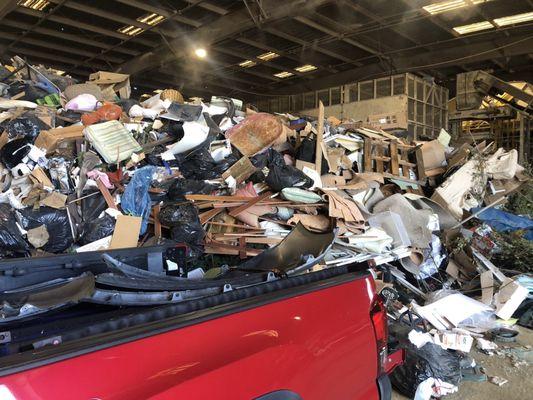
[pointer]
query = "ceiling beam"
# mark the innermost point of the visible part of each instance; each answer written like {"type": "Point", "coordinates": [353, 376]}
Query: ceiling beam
{"type": "Point", "coordinates": [67, 36]}
{"type": "Point", "coordinates": [59, 47]}
{"type": "Point", "coordinates": [171, 15]}
{"type": "Point", "coordinates": [6, 6]}
{"type": "Point", "coordinates": [208, 6]}
{"type": "Point", "coordinates": [285, 54]}
{"type": "Point", "coordinates": [442, 58]}
{"type": "Point", "coordinates": [334, 33]}
{"type": "Point", "coordinates": [83, 25]}
{"type": "Point", "coordinates": [219, 74]}
{"type": "Point", "coordinates": [224, 27]}
{"type": "Point", "coordinates": [244, 57]}
{"type": "Point", "coordinates": [52, 57]}
{"type": "Point", "coordinates": [317, 48]}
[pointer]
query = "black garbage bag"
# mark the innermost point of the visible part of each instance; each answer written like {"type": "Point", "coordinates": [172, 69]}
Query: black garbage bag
{"type": "Point", "coordinates": [181, 187]}
{"type": "Point", "coordinates": [185, 225]}
{"type": "Point", "coordinates": [429, 361]}
{"type": "Point", "coordinates": [287, 176]}
{"type": "Point", "coordinates": [268, 159]}
{"type": "Point", "coordinates": [56, 222]}
{"type": "Point", "coordinates": [96, 229]}
{"type": "Point", "coordinates": [11, 240]}
{"type": "Point", "coordinates": [14, 151]}
{"type": "Point", "coordinates": [27, 127]}
{"type": "Point", "coordinates": [175, 129]}
{"type": "Point", "coordinates": [92, 205]}
{"type": "Point", "coordinates": [200, 165]}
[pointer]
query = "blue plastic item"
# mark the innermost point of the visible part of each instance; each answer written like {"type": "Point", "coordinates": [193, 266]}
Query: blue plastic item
{"type": "Point", "coordinates": [136, 200]}
{"type": "Point", "coordinates": [503, 221]}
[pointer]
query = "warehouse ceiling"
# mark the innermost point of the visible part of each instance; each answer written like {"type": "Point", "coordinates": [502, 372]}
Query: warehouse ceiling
{"type": "Point", "coordinates": [251, 48]}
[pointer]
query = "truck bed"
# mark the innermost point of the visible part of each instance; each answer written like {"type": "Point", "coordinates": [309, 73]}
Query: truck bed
{"type": "Point", "coordinates": [310, 335]}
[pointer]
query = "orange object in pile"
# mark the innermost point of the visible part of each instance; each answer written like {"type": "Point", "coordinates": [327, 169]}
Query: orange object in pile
{"type": "Point", "coordinates": [107, 112]}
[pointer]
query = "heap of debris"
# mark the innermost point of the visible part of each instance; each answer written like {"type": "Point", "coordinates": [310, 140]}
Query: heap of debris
{"type": "Point", "coordinates": [85, 168]}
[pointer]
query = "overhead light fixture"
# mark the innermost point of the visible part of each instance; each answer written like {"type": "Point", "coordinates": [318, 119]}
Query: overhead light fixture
{"type": "Point", "coordinates": [268, 56]}
{"type": "Point", "coordinates": [130, 30]}
{"type": "Point", "coordinates": [478, 26]}
{"type": "Point", "coordinates": [38, 5]}
{"type": "Point", "coordinates": [284, 74]}
{"type": "Point", "coordinates": [148, 19]}
{"type": "Point", "coordinates": [151, 19]}
{"type": "Point", "coordinates": [514, 19]}
{"type": "Point", "coordinates": [247, 64]}
{"type": "Point", "coordinates": [450, 5]}
{"type": "Point", "coordinates": [305, 68]}
{"type": "Point", "coordinates": [200, 53]}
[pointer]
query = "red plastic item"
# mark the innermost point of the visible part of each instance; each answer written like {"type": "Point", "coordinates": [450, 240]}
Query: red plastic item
{"type": "Point", "coordinates": [107, 112]}
{"type": "Point", "coordinates": [320, 345]}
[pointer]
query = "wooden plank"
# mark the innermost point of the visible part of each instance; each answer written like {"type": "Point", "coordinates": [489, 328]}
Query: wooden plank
{"type": "Point", "coordinates": [394, 165]}
{"type": "Point", "coordinates": [319, 138]}
{"type": "Point", "coordinates": [107, 196]}
{"type": "Point", "coordinates": [368, 155]}
{"type": "Point", "coordinates": [251, 203]}
{"type": "Point", "coordinates": [208, 197]}
{"type": "Point", "coordinates": [379, 158]}
{"type": "Point", "coordinates": [157, 223]}
{"type": "Point", "coordinates": [420, 164]}
{"type": "Point", "coordinates": [206, 216]}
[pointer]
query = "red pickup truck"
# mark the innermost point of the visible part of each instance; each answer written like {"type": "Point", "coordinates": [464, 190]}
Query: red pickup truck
{"type": "Point", "coordinates": [320, 335]}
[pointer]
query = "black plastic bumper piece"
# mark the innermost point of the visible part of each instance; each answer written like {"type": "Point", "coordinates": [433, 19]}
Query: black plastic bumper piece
{"type": "Point", "coordinates": [385, 387]}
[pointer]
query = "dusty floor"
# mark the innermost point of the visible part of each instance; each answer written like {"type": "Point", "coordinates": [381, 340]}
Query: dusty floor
{"type": "Point", "coordinates": [520, 385]}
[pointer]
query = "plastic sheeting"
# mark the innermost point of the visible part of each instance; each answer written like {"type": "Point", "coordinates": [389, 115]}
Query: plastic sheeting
{"type": "Point", "coordinates": [503, 221]}
{"type": "Point", "coordinates": [136, 200]}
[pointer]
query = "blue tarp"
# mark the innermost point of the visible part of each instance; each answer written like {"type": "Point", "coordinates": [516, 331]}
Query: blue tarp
{"type": "Point", "coordinates": [503, 221]}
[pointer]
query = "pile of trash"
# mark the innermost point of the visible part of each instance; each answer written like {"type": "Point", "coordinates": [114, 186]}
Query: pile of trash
{"type": "Point", "coordinates": [85, 168]}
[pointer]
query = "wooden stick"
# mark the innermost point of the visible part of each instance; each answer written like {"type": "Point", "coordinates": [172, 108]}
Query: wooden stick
{"type": "Point", "coordinates": [319, 137]}
{"type": "Point", "coordinates": [250, 203]}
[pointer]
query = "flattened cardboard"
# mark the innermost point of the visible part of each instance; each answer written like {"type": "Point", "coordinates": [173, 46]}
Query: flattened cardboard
{"type": "Point", "coordinates": [126, 233]}
{"type": "Point", "coordinates": [241, 170]}
{"type": "Point", "coordinates": [55, 200]}
{"type": "Point", "coordinates": [51, 139]}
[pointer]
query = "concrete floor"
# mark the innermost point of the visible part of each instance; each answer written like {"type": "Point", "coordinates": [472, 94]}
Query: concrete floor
{"type": "Point", "coordinates": [520, 377]}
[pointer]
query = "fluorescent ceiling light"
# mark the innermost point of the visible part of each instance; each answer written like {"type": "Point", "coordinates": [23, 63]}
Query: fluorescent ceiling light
{"type": "Point", "coordinates": [130, 30]}
{"type": "Point", "coordinates": [247, 64]}
{"type": "Point", "coordinates": [284, 74]}
{"type": "Point", "coordinates": [148, 19]}
{"type": "Point", "coordinates": [151, 19]}
{"type": "Point", "coordinates": [478, 26]}
{"type": "Point", "coordinates": [38, 5]}
{"type": "Point", "coordinates": [450, 5]}
{"type": "Point", "coordinates": [514, 19]}
{"type": "Point", "coordinates": [305, 68]}
{"type": "Point", "coordinates": [268, 56]}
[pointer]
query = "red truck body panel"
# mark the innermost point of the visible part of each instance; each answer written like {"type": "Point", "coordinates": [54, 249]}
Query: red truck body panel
{"type": "Point", "coordinates": [320, 345]}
